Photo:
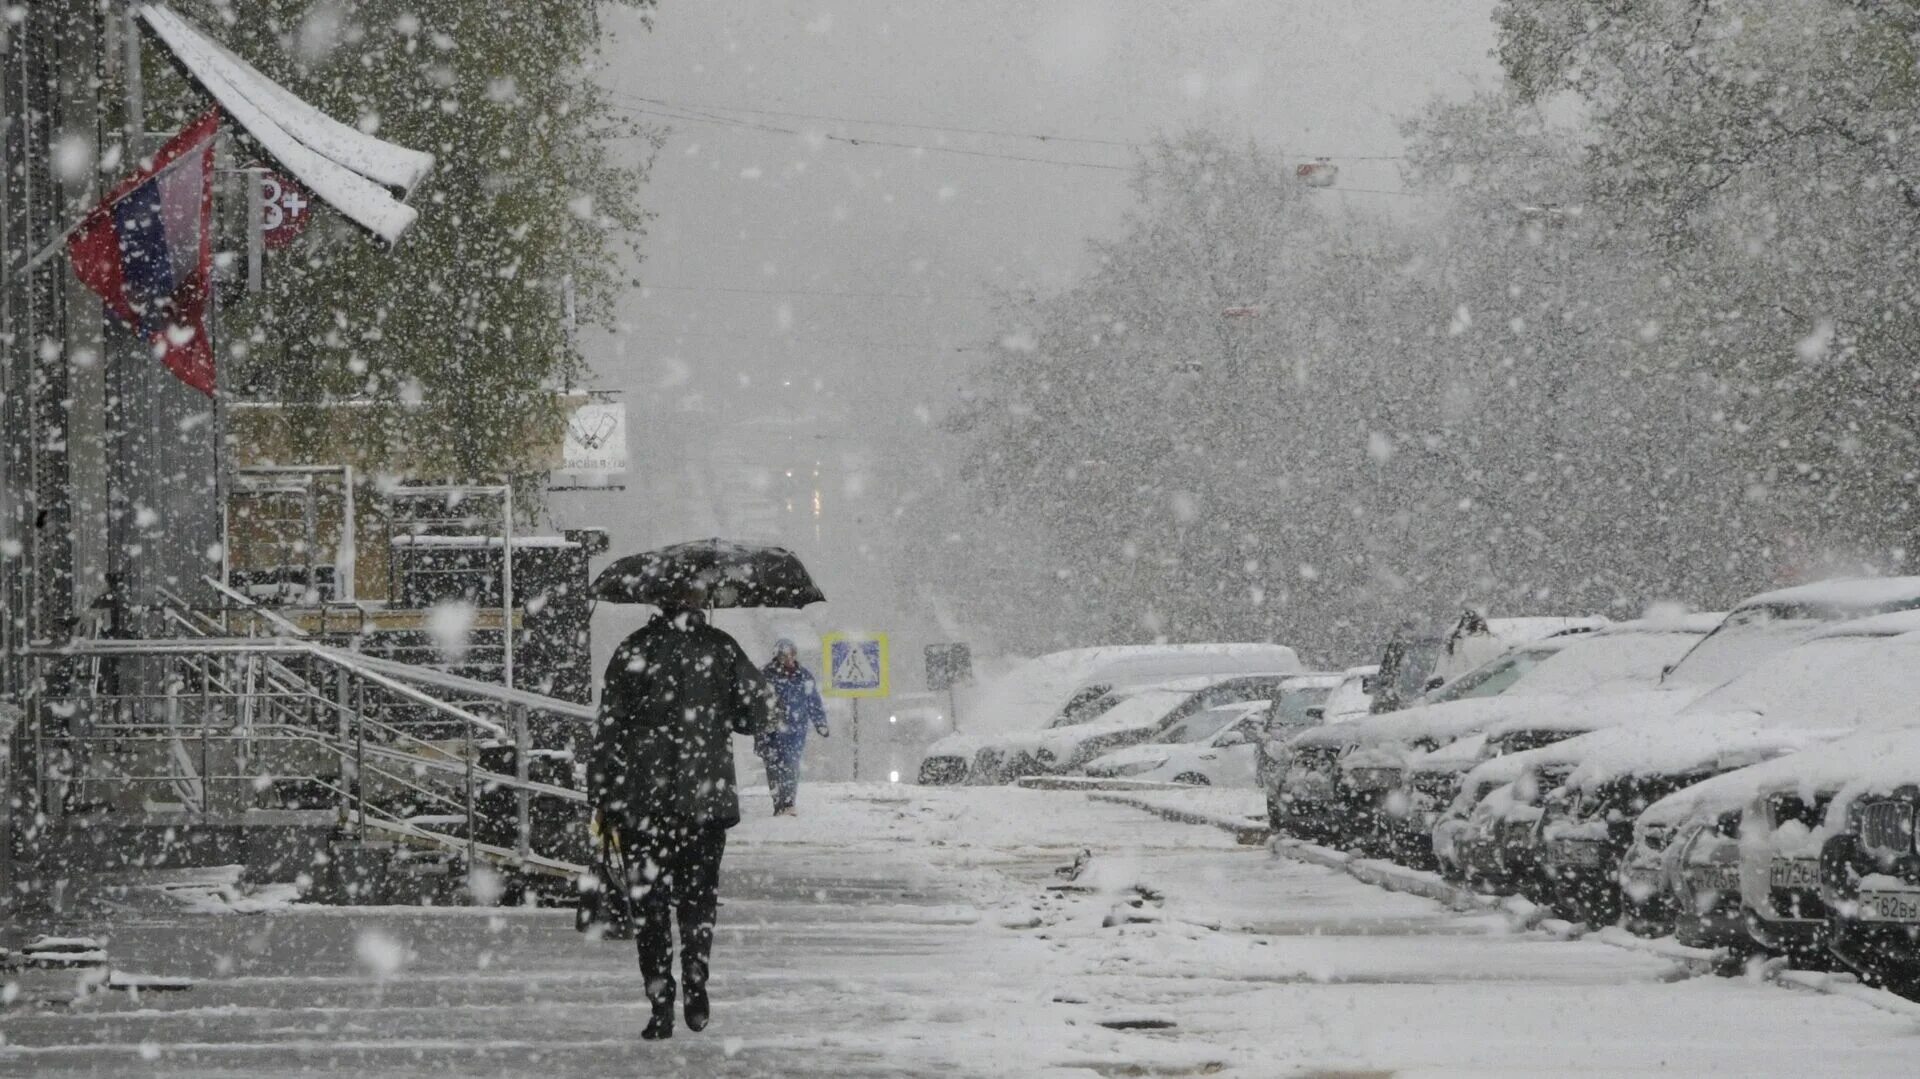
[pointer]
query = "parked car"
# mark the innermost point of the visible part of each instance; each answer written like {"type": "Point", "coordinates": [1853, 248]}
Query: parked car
{"type": "Point", "coordinates": [1739, 855]}
{"type": "Point", "coordinates": [1079, 681]}
{"type": "Point", "coordinates": [914, 722]}
{"type": "Point", "coordinates": [1870, 870]}
{"type": "Point", "coordinates": [1545, 703]}
{"type": "Point", "coordinates": [1311, 794]}
{"type": "Point", "coordinates": [1212, 748]}
{"type": "Point", "coordinates": [1419, 658]}
{"type": "Point", "coordinates": [1492, 823]}
{"type": "Point", "coordinates": [1859, 675]}
{"type": "Point", "coordinates": [1756, 630]}
{"type": "Point", "coordinates": [1146, 716]}
{"type": "Point", "coordinates": [1349, 699]}
{"type": "Point", "coordinates": [1300, 704]}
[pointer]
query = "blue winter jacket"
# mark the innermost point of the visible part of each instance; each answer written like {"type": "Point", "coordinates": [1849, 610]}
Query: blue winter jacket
{"type": "Point", "coordinates": [800, 705]}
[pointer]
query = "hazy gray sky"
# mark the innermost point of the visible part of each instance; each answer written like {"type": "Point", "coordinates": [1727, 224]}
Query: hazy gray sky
{"type": "Point", "coordinates": [862, 274]}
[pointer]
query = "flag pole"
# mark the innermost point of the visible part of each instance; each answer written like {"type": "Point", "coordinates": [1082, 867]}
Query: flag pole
{"type": "Point", "coordinates": [222, 482]}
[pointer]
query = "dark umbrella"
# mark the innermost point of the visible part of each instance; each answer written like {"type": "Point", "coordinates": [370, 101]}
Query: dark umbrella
{"type": "Point", "coordinates": [730, 574]}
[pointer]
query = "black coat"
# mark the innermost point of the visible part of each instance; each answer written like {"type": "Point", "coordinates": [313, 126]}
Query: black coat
{"type": "Point", "coordinates": [676, 693]}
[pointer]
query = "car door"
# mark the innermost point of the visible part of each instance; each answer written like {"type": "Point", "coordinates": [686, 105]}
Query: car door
{"type": "Point", "coordinates": [1230, 758]}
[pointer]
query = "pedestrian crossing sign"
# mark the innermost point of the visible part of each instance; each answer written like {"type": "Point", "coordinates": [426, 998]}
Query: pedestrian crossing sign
{"type": "Point", "coordinates": [856, 665]}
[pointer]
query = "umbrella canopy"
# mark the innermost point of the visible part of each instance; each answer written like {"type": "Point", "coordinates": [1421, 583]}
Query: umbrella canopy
{"type": "Point", "coordinates": [729, 574]}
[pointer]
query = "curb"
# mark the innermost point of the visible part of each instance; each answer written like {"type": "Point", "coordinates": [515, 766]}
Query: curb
{"type": "Point", "coordinates": [1248, 834]}
{"type": "Point", "coordinates": [1396, 878]}
{"type": "Point", "coordinates": [1387, 875]}
{"type": "Point", "coordinates": [1087, 783]}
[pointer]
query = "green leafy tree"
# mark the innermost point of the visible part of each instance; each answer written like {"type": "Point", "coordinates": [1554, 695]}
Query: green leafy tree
{"type": "Point", "coordinates": [457, 336]}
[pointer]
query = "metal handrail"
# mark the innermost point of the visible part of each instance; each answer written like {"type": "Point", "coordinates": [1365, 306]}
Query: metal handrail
{"type": "Point", "coordinates": [501, 694]}
{"type": "Point", "coordinates": [348, 661]}
{"type": "Point", "coordinates": [274, 700]}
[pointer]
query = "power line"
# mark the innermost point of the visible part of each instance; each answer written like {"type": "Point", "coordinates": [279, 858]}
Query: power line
{"type": "Point", "coordinates": [722, 121]}
{"type": "Point", "coordinates": [1039, 136]}
{"type": "Point", "coordinates": [789, 291]}
{"type": "Point", "coordinates": [690, 116]}
{"type": "Point", "coordinates": [914, 125]}
{"type": "Point", "coordinates": [803, 339]}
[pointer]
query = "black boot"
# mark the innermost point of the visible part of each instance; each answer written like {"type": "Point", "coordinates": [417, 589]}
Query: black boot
{"type": "Point", "coordinates": [693, 978]}
{"type": "Point", "coordinates": [661, 1024]}
{"type": "Point", "coordinates": [698, 1008]}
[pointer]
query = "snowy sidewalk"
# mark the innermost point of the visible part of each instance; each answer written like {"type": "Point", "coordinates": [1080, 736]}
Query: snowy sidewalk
{"type": "Point", "coordinates": [897, 930]}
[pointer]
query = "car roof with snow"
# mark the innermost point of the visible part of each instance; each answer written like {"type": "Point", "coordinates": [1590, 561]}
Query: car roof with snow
{"type": "Point", "coordinates": [1824, 688]}
{"type": "Point", "coordinates": [1705, 743]}
{"type": "Point", "coordinates": [1618, 659]}
{"type": "Point", "coordinates": [1820, 769]}
{"type": "Point", "coordinates": [1833, 679]}
{"type": "Point", "coordinates": [1886, 624]}
{"type": "Point", "coordinates": [1026, 697]}
{"type": "Point", "coordinates": [1762, 625]}
{"type": "Point", "coordinates": [1842, 594]}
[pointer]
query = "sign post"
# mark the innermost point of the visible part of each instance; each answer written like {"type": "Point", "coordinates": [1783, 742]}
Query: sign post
{"type": "Point", "coordinates": [949, 665]}
{"type": "Point", "coordinates": [857, 666]}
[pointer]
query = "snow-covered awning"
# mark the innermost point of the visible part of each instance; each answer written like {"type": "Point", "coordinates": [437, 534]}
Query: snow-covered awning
{"type": "Point", "coordinates": [345, 168]}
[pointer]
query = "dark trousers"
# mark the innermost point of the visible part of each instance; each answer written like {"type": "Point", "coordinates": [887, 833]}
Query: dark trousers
{"type": "Point", "coordinates": [783, 771]}
{"type": "Point", "coordinates": [677, 874]}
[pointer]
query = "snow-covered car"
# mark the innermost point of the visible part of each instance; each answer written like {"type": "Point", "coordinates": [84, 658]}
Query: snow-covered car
{"type": "Point", "coordinates": [914, 721]}
{"type": "Point", "coordinates": [1420, 659]}
{"type": "Point", "coordinates": [1213, 748]}
{"type": "Point", "coordinates": [1309, 791]}
{"type": "Point", "coordinates": [1743, 852]}
{"type": "Point", "coordinates": [1350, 700]}
{"type": "Point", "coordinates": [1853, 676]}
{"type": "Point", "coordinates": [1741, 860]}
{"type": "Point", "coordinates": [1870, 868]}
{"type": "Point", "coordinates": [1485, 837]}
{"type": "Point", "coordinates": [1079, 681]}
{"type": "Point", "coordinates": [1547, 702]}
{"type": "Point", "coordinates": [1756, 629]}
{"type": "Point", "coordinates": [1301, 703]}
{"type": "Point", "coordinates": [1146, 715]}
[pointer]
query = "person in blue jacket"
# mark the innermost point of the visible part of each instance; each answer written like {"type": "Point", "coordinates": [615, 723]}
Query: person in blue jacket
{"type": "Point", "coordinates": [799, 707]}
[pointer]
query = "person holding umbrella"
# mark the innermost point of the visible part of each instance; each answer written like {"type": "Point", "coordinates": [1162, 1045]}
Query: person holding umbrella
{"type": "Point", "coordinates": [661, 775]}
{"type": "Point", "coordinates": [800, 707]}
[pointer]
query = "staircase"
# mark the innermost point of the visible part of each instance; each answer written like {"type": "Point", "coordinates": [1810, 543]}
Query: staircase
{"type": "Point", "coordinates": [369, 779]}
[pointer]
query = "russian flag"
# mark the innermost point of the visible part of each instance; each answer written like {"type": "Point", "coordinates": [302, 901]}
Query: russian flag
{"type": "Point", "coordinates": [147, 251]}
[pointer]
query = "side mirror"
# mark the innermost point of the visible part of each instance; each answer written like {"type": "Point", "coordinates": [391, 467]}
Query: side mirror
{"type": "Point", "coordinates": [1370, 684]}
{"type": "Point", "coordinates": [1316, 713]}
{"type": "Point", "coordinates": [1433, 683]}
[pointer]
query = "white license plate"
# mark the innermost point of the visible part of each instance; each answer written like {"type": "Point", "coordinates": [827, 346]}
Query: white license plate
{"type": "Point", "coordinates": [1582, 854]}
{"type": "Point", "coordinates": [1794, 874]}
{"type": "Point", "coordinates": [1890, 906]}
{"type": "Point", "coordinates": [1719, 879]}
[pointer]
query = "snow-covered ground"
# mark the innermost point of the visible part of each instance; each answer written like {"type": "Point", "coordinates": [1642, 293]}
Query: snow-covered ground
{"type": "Point", "coordinates": [904, 930]}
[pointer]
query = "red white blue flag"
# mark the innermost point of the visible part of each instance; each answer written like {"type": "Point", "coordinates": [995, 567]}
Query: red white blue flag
{"type": "Point", "coordinates": [147, 251]}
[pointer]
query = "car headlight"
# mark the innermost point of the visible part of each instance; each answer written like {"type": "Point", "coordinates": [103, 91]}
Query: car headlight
{"type": "Point", "coordinates": [1046, 756]}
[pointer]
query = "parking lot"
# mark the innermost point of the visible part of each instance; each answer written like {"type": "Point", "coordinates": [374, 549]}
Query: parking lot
{"type": "Point", "coordinates": [903, 930]}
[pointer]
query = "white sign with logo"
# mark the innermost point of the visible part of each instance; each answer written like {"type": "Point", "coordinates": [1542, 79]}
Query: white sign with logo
{"type": "Point", "coordinates": [594, 453]}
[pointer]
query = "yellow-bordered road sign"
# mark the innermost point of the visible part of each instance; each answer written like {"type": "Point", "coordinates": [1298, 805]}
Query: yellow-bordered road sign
{"type": "Point", "coordinates": [856, 665]}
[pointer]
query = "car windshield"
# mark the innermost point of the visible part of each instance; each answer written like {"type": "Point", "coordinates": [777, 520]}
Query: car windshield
{"type": "Point", "coordinates": [1203, 725]}
{"type": "Point", "coordinates": [1521, 741]}
{"type": "Point", "coordinates": [1289, 709]}
{"type": "Point", "coordinates": [1751, 634]}
{"type": "Point", "coordinates": [1490, 679]}
{"type": "Point", "coordinates": [1842, 681]}
{"type": "Point", "coordinates": [1407, 664]}
{"type": "Point", "coordinates": [1085, 704]}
